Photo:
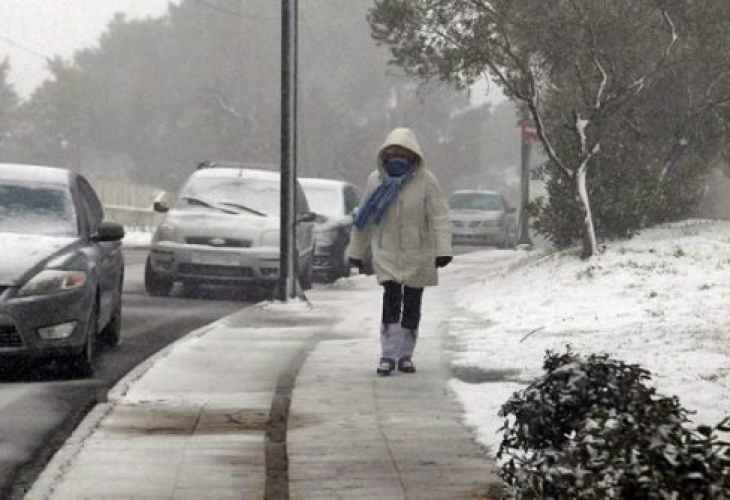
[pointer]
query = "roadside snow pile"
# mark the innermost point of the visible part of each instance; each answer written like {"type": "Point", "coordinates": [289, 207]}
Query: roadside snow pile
{"type": "Point", "coordinates": [660, 300]}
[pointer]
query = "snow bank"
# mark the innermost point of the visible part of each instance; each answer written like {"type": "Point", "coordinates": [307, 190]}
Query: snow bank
{"type": "Point", "coordinates": [659, 300]}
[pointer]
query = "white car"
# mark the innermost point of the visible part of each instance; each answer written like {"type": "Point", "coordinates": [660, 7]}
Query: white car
{"type": "Point", "coordinates": [480, 217]}
{"type": "Point", "coordinates": [225, 230]}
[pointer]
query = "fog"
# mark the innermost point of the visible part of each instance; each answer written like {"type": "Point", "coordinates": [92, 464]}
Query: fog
{"type": "Point", "coordinates": [150, 97]}
{"type": "Point", "coordinates": [34, 31]}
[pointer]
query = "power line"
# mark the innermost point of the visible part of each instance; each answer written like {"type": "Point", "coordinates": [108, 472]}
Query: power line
{"type": "Point", "coordinates": [22, 47]}
{"type": "Point", "coordinates": [227, 12]}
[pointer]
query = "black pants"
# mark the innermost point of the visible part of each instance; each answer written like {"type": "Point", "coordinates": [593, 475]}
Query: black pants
{"type": "Point", "coordinates": [397, 297]}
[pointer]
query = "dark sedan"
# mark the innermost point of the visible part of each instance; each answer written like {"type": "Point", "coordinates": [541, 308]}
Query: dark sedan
{"type": "Point", "coordinates": [334, 201]}
{"type": "Point", "coordinates": [61, 270]}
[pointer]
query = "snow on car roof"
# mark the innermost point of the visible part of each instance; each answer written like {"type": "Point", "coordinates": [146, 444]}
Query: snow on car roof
{"type": "Point", "coordinates": [22, 172]}
{"type": "Point", "coordinates": [245, 173]}
{"type": "Point", "coordinates": [315, 182]}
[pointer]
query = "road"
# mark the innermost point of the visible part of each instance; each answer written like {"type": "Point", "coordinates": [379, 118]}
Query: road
{"type": "Point", "coordinates": [41, 405]}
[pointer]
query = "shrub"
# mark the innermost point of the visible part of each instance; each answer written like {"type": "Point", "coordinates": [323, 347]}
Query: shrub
{"type": "Point", "coordinates": [624, 199]}
{"type": "Point", "coordinates": [592, 428]}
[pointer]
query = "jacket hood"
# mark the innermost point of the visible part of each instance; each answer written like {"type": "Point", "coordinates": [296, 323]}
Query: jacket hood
{"type": "Point", "coordinates": [405, 138]}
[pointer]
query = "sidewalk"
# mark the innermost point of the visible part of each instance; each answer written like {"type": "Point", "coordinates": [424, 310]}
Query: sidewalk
{"type": "Point", "coordinates": [218, 414]}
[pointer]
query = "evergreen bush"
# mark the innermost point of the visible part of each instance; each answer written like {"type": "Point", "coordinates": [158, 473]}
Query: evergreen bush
{"type": "Point", "coordinates": [593, 428]}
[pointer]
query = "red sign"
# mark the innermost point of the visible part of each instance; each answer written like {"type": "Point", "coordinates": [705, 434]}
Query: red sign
{"type": "Point", "coordinates": [529, 132]}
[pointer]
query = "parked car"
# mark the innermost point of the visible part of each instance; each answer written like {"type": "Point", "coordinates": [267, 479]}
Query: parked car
{"type": "Point", "coordinates": [480, 217]}
{"type": "Point", "coordinates": [62, 268]}
{"type": "Point", "coordinates": [334, 201]}
{"type": "Point", "coordinates": [225, 230]}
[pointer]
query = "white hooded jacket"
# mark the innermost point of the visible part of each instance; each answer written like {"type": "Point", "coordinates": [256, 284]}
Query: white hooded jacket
{"type": "Point", "coordinates": [415, 228]}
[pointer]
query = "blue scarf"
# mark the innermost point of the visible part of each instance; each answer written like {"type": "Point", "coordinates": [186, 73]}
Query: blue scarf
{"type": "Point", "coordinates": [398, 171]}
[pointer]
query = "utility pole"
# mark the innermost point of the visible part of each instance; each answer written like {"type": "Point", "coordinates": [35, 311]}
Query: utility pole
{"type": "Point", "coordinates": [528, 133]}
{"type": "Point", "coordinates": [287, 285]}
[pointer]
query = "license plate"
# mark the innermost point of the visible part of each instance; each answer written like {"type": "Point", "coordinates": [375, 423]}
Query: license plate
{"type": "Point", "coordinates": [218, 259]}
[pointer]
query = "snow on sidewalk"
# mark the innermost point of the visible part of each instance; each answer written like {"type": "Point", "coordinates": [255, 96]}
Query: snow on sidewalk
{"type": "Point", "coordinates": [659, 300]}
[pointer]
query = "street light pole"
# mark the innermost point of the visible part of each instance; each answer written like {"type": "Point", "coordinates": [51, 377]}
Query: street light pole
{"type": "Point", "coordinates": [286, 286]}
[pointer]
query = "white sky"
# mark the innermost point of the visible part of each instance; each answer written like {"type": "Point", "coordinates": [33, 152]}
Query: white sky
{"type": "Point", "coordinates": [33, 30]}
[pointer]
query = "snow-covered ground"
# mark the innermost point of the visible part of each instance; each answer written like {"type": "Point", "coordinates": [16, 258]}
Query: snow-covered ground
{"type": "Point", "coordinates": [660, 300]}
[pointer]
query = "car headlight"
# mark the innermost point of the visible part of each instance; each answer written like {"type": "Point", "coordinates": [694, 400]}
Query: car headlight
{"type": "Point", "coordinates": [52, 281]}
{"type": "Point", "coordinates": [270, 238]}
{"type": "Point", "coordinates": [166, 232]}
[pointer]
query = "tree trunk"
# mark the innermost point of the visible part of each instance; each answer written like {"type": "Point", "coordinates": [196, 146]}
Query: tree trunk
{"type": "Point", "coordinates": [590, 246]}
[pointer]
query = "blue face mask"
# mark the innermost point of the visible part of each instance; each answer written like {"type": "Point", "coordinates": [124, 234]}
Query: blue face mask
{"type": "Point", "coordinates": [397, 167]}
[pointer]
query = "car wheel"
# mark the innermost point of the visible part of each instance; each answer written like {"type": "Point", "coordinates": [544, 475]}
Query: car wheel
{"type": "Point", "coordinates": [156, 285]}
{"type": "Point", "coordinates": [344, 270]}
{"type": "Point", "coordinates": [505, 240]}
{"type": "Point", "coordinates": [191, 288]}
{"type": "Point", "coordinates": [368, 268]}
{"type": "Point", "coordinates": [111, 335]}
{"type": "Point", "coordinates": [305, 276]}
{"type": "Point", "coordinates": [82, 363]}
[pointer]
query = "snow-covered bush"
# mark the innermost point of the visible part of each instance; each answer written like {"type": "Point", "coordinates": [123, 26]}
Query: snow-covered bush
{"type": "Point", "coordinates": [592, 427]}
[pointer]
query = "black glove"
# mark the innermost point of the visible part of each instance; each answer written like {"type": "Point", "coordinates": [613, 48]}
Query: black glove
{"type": "Point", "coordinates": [443, 261]}
{"type": "Point", "coordinates": [356, 263]}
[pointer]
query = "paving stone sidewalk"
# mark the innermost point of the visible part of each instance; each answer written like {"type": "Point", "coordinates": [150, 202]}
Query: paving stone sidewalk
{"type": "Point", "coordinates": [194, 422]}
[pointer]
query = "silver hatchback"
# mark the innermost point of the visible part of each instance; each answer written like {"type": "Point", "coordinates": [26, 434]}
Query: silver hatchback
{"type": "Point", "coordinates": [480, 217]}
{"type": "Point", "coordinates": [225, 230]}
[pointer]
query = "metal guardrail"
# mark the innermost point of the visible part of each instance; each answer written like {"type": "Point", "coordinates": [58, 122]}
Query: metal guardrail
{"type": "Point", "coordinates": [134, 218]}
{"type": "Point", "coordinates": [128, 203]}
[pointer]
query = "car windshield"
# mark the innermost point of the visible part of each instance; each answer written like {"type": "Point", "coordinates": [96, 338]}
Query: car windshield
{"type": "Point", "coordinates": [324, 200]}
{"type": "Point", "coordinates": [231, 195]}
{"type": "Point", "coordinates": [36, 208]}
{"type": "Point", "coordinates": [475, 201]}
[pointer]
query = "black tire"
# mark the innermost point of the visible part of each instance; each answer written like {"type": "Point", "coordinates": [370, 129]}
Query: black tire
{"type": "Point", "coordinates": [368, 268]}
{"type": "Point", "coordinates": [344, 268]}
{"type": "Point", "coordinates": [305, 274]}
{"type": "Point", "coordinates": [191, 289]}
{"type": "Point", "coordinates": [111, 335]}
{"type": "Point", "coordinates": [505, 241]}
{"type": "Point", "coordinates": [83, 362]}
{"type": "Point", "coordinates": [154, 284]}
{"type": "Point", "coordinates": [305, 278]}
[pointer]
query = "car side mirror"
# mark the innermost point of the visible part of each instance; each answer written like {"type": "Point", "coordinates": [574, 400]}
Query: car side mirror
{"type": "Point", "coordinates": [306, 217]}
{"type": "Point", "coordinates": [109, 231]}
{"type": "Point", "coordinates": [320, 218]}
{"type": "Point", "coordinates": [160, 206]}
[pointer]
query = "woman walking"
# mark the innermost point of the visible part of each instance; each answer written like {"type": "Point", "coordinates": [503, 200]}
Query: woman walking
{"type": "Point", "coordinates": [405, 220]}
